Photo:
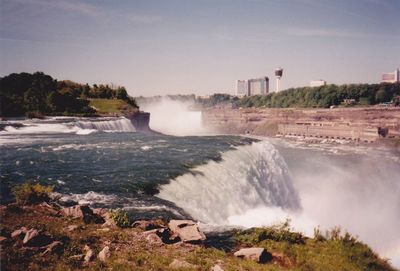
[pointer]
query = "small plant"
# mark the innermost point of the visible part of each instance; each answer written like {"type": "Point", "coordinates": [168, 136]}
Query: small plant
{"type": "Point", "coordinates": [29, 193]}
{"type": "Point", "coordinates": [120, 218]}
{"type": "Point", "coordinates": [318, 236]}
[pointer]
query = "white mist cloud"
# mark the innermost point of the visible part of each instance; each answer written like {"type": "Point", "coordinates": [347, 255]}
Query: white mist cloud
{"type": "Point", "coordinates": [174, 118]}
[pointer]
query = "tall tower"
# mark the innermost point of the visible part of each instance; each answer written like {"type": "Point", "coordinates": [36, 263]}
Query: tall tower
{"type": "Point", "coordinates": [278, 74]}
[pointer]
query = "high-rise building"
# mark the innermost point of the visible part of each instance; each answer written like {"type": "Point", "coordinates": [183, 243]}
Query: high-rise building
{"type": "Point", "coordinates": [391, 77]}
{"type": "Point", "coordinates": [317, 83]}
{"type": "Point", "coordinates": [242, 88]}
{"type": "Point", "coordinates": [259, 86]}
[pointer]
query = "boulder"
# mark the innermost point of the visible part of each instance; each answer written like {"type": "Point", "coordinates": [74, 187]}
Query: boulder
{"type": "Point", "coordinates": [187, 230]}
{"type": "Point", "coordinates": [104, 254]}
{"type": "Point", "coordinates": [82, 211]}
{"type": "Point", "coordinates": [146, 225]}
{"type": "Point", "coordinates": [2, 239]}
{"type": "Point", "coordinates": [216, 267]}
{"type": "Point", "coordinates": [167, 236]}
{"type": "Point", "coordinates": [54, 247]}
{"type": "Point", "coordinates": [89, 256]}
{"type": "Point", "coordinates": [153, 238]}
{"type": "Point", "coordinates": [19, 232]}
{"type": "Point", "coordinates": [35, 239]}
{"type": "Point", "coordinates": [72, 228]}
{"type": "Point", "coordinates": [178, 264]}
{"type": "Point", "coordinates": [257, 254]}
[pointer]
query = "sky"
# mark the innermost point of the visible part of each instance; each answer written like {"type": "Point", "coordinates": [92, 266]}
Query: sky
{"type": "Point", "coordinates": [157, 47]}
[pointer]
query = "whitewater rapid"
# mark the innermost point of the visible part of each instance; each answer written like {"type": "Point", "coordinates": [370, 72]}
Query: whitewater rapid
{"type": "Point", "coordinates": [259, 185]}
{"type": "Point", "coordinates": [254, 176]}
{"type": "Point", "coordinates": [57, 125]}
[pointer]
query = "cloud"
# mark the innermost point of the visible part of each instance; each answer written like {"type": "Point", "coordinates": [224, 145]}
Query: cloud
{"type": "Point", "coordinates": [89, 10]}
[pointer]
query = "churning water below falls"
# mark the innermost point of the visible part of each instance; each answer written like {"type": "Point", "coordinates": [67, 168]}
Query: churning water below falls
{"type": "Point", "coordinates": [217, 180]}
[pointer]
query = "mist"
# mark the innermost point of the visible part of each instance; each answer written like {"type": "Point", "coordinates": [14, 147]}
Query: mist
{"type": "Point", "coordinates": [173, 117]}
{"type": "Point", "coordinates": [358, 192]}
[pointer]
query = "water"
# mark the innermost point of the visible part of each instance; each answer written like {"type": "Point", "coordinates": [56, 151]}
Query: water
{"type": "Point", "coordinates": [218, 180]}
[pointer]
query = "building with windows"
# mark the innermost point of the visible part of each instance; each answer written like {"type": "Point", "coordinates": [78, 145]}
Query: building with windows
{"type": "Point", "coordinates": [242, 88]}
{"type": "Point", "coordinates": [259, 86]}
{"type": "Point", "coordinates": [391, 77]}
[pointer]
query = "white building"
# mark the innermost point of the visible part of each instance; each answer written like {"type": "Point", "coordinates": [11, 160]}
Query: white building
{"type": "Point", "coordinates": [242, 88]}
{"type": "Point", "coordinates": [317, 83]}
{"type": "Point", "coordinates": [259, 86]}
{"type": "Point", "coordinates": [391, 77]}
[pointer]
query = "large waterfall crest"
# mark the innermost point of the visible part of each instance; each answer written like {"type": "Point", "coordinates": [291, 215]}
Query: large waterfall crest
{"type": "Point", "coordinates": [250, 177]}
{"type": "Point", "coordinates": [58, 125]}
{"type": "Point", "coordinates": [115, 125]}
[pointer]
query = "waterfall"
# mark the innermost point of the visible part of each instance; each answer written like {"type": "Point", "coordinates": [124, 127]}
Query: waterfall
{"type": "Point", "coordinates": [253, 176]}
{"type": "Point", "coordinates": [81, 126]}
{"type": "Point", "coordinates": [114, 125]}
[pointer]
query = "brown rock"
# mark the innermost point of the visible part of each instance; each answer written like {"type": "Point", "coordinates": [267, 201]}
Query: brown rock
{"type": "Point", "coordinates": [72, 227]}
{"type": "Point", "coordinates": [34, 239]}
{"type": "Point", "coordinates": [167, 236]}
{"type": "Point", "coordinates": [104, 254]}
{"type": "Point", "coordinates": [216, 267]}
{"type": "Point", "coordinates": [55, 247]}
{"type": "Point", "coordinates": [154, 239]}
{"type": "Point", "coordinates": [29, 235]}
{"type": "Point", "coordinates": [2, 239]}
{"type": "Point", "coordinates": [146, 225]}
{"type": "Point", "coordinates": [257, 254]}
{"type": "Point", "coordinates": [89, 256]}
{"type": "Point", "coordinates": [177, 264]}
{"type": "Point", "coordinates": [19, 232]}
{"type": "Point", "coordinates": [187, 230]}
{"type": "Point", "coordinates": [82, 211]}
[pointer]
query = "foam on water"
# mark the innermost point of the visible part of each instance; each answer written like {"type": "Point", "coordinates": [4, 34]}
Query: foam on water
{"type": "Point", "coordinates": [251, 177]}
{"type": "Point", "coordinates": [80, 126]}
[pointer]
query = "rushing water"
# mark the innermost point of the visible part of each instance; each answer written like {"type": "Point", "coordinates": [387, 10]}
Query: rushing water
{"type": "Point", "coordinates": [218, 180]}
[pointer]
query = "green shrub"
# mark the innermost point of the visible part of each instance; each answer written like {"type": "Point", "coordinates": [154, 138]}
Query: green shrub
{"type": "Point", "coordinates": [120, 218]}
{"type": "Point", "coordinates": [280, 233]}
{"type": "Point", "coordinates": [29, 193]}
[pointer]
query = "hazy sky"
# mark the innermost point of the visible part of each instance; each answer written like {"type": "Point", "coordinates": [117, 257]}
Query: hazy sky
{"type": "Point", "coordinates": [203, 46]}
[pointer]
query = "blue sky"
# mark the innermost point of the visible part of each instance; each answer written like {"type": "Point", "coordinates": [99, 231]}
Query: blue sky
{"type": "Point", "coordinates": [186, 46]}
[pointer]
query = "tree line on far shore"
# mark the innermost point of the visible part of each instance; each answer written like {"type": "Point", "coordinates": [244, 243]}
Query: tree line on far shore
{"type": "Point", "coordinates": [316, 97]}
{"type": "Point", "coordinates": [39, 94]}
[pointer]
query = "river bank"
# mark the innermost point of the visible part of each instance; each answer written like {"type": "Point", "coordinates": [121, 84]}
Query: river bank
{"type": "Point", "coordinates": [359, 124]}
{"type": "Point", "coordinates": [53, 237]}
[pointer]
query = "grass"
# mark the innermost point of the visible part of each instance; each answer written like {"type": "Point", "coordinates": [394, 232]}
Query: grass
{"type": "Point", "coordinates": [111, 106]}
{"type": "Point", "coordinates": [131, 251]}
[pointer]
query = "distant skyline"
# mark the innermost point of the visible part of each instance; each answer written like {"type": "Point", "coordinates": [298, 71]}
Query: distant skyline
{"type": "Point", "coordinates": [158, 47]}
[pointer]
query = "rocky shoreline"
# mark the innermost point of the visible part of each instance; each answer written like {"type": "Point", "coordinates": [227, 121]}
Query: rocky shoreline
{"type": "Point", "coordinates": [48, 236]}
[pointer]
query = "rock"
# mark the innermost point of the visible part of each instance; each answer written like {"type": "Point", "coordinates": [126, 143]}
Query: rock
{"type": "Point", "coordinates": [216, 267]}
{"type": "Point", "coordinates": [82, 211]}
{"type": "Point", "coordinates": [34, 239]}
{"type": "Point", "coordinates": [167, 236]}
{"type": "Point", "coordinates": [146, 225]}
{"type": "Point", "coordinates": [187, 230]}
{"type": "Point", "coordinates": [104, 254]}
{"type": "Point", "coordinates": [154, 239]}
{"type": "Point", "coordinates": [103, 230]}
{"type": "Point", "coordinates": [55, 247]}
{"type": "Point", "coordinates": [19, 232]}
{"type": "Point", "coordinates": [177, 264]}
{"type": "Point", "coordinates": [106, 215]}
{"type": "Point", "coordinates": [78, 257]}
{"type": "Point", "coordinates": [257, 254]}
{"type": "Point", "coordinates": [2, 239]}
{"type": "Point", "coordinates": [89, 256]}
{"type": "Point", "coordinates": [72, 227]}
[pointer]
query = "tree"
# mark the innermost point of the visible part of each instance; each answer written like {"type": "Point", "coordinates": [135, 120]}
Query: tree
{"type": "Point", "coordinates": [382, 96]}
